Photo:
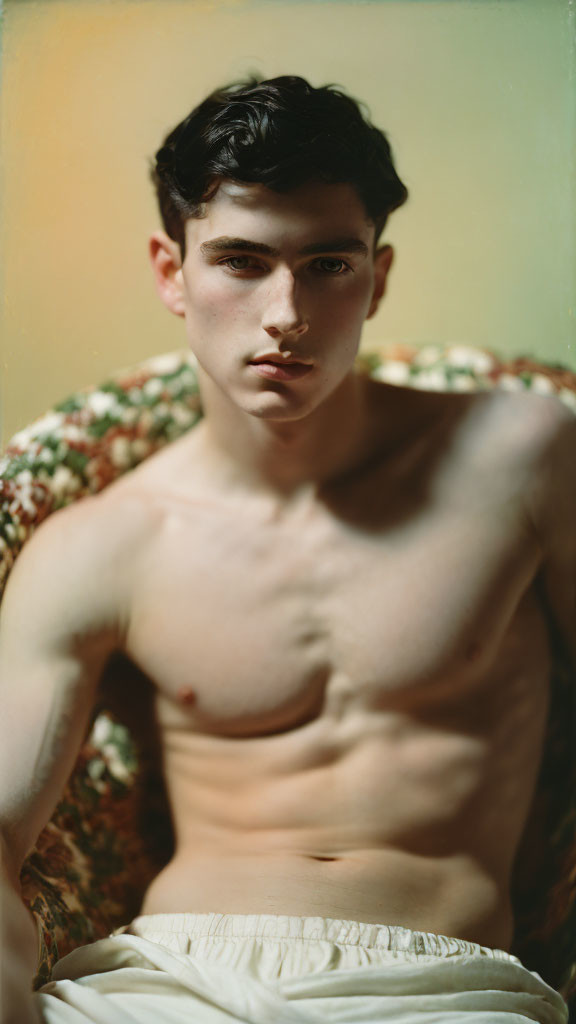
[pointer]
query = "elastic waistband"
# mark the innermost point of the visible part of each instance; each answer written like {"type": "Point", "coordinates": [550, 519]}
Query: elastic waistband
{"type": "Point", "coordinates": [393, 938]}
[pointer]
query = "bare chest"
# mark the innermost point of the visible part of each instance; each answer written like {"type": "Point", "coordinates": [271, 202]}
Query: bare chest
{"type": "Point", "coordinates": [249, 628]}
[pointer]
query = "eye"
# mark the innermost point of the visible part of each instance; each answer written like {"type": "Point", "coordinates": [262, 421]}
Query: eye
{"type": "Point", "coordinates": [247, 261]}
{"type": "Point", "coordinates": [337, 267]}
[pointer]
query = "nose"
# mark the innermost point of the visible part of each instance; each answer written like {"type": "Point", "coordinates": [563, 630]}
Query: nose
{"type": "Point", "coordinates": [283, 315]}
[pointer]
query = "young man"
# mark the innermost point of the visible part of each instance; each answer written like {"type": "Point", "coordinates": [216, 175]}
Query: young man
{"type": "Point", "coordinates": [339, 590]}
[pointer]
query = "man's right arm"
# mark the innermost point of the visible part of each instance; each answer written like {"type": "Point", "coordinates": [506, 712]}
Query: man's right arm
{"type": "Point", "coordinates": [61, 617]}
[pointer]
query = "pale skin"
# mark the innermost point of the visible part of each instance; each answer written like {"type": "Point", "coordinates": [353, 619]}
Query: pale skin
{"type": "Point", "coordinates": [337, 588]}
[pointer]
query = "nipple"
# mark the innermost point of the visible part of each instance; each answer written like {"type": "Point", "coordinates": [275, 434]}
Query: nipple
{"type": "Point", "coordinates": [186, 696]}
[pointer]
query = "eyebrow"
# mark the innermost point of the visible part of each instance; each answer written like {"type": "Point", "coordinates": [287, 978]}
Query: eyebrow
{"type": "Point", "coordinates": [224, 243]}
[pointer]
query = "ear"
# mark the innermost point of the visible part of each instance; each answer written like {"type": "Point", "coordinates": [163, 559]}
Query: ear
{"type": "Point", "coordinates": [167, 268]}
{"type": "Point", "coordinates": [382, 263]}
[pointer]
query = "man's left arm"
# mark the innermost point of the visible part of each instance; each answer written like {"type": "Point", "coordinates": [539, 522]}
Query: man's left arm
{"type": "Point", "coordinates": [552, 503]}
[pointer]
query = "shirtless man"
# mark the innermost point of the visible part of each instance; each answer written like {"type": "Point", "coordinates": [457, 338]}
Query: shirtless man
{"type": "Point", "coordinates": [339, 590]}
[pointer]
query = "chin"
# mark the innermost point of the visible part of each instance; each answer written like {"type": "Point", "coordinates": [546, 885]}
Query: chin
{"type": "Point", "coordinates": [276, 411]}
{"type": "Point", "coordinates": [281, 406]}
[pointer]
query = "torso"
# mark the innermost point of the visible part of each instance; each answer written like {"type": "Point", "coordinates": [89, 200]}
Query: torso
{"type": "Point", "coordinates": [352, 695]}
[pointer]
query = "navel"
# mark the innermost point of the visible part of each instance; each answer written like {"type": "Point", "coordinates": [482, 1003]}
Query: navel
{"type": "Point", "coordinates": [186, 696]}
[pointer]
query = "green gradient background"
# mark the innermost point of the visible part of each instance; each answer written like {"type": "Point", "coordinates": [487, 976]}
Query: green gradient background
{"type": "Point", "coordinates": [477, 96]}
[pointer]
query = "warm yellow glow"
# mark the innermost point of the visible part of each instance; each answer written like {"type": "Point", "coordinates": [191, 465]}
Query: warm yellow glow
{"type": "Point", "coordinates": [475, 98]}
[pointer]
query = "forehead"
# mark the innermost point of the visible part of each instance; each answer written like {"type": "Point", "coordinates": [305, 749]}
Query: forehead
{"type": "Point", "coordinates": [303, 214]}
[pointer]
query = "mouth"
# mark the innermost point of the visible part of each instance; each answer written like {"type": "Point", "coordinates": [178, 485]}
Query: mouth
{"type": "Point", "coordinates": [285, 369]}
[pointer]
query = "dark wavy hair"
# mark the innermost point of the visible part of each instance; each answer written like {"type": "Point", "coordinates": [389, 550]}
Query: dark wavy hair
{"type": "Point", "coordinates": [282, 133]}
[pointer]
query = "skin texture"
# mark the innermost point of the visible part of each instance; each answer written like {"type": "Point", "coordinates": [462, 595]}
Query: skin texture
{"type": "Point", "coordinates": [337, 588]}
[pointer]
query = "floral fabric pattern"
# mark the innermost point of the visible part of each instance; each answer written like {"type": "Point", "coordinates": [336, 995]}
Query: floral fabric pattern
{"type": "Point", "coordinates": [111, 831]}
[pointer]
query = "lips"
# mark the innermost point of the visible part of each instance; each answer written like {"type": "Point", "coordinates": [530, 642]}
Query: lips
{"type": "Point", "coordinates": [285, 370]}
{"type": "Point", "coordinates": [273, 366]}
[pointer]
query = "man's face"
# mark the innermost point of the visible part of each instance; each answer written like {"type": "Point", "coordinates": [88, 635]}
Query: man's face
{"type": "Point", "coordinates": [275, 289]}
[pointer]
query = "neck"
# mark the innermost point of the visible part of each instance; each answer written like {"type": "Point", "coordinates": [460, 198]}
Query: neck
{"type": "Point", "coordinates": [285, 458]}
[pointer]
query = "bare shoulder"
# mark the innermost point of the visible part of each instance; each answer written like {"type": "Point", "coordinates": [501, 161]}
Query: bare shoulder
{"type": "Point", "coordinates": [539, 433]}
{"type": "Point", "coordinates": [528, 443]}
{"type": "Point", "coordinates": [92, 531]}
{"type": "Point", "coordinates": [550, 429]}
{"type": "Point", "coordinates": [511, 432]}
{"type": "Point", "coordinates": [74, 574]}
{"type": "Point", "coordinates": [549, 452]}
{"type": "Point", "coordinates": [484, 433]}
{"type": "Point", "coordinates": [540, 419]}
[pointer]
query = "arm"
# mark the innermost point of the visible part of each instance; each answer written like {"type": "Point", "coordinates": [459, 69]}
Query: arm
{"type": "Point", "coordinates": [59, 621]}
{"type": "Point", "coordinates": [553, 512]}
{"type": "Point", "coordinates": [18, 952]}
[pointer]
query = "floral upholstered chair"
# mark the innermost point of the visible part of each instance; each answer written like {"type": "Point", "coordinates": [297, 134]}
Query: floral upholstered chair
{"type": "Point", "coordinates": [111, 832]}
